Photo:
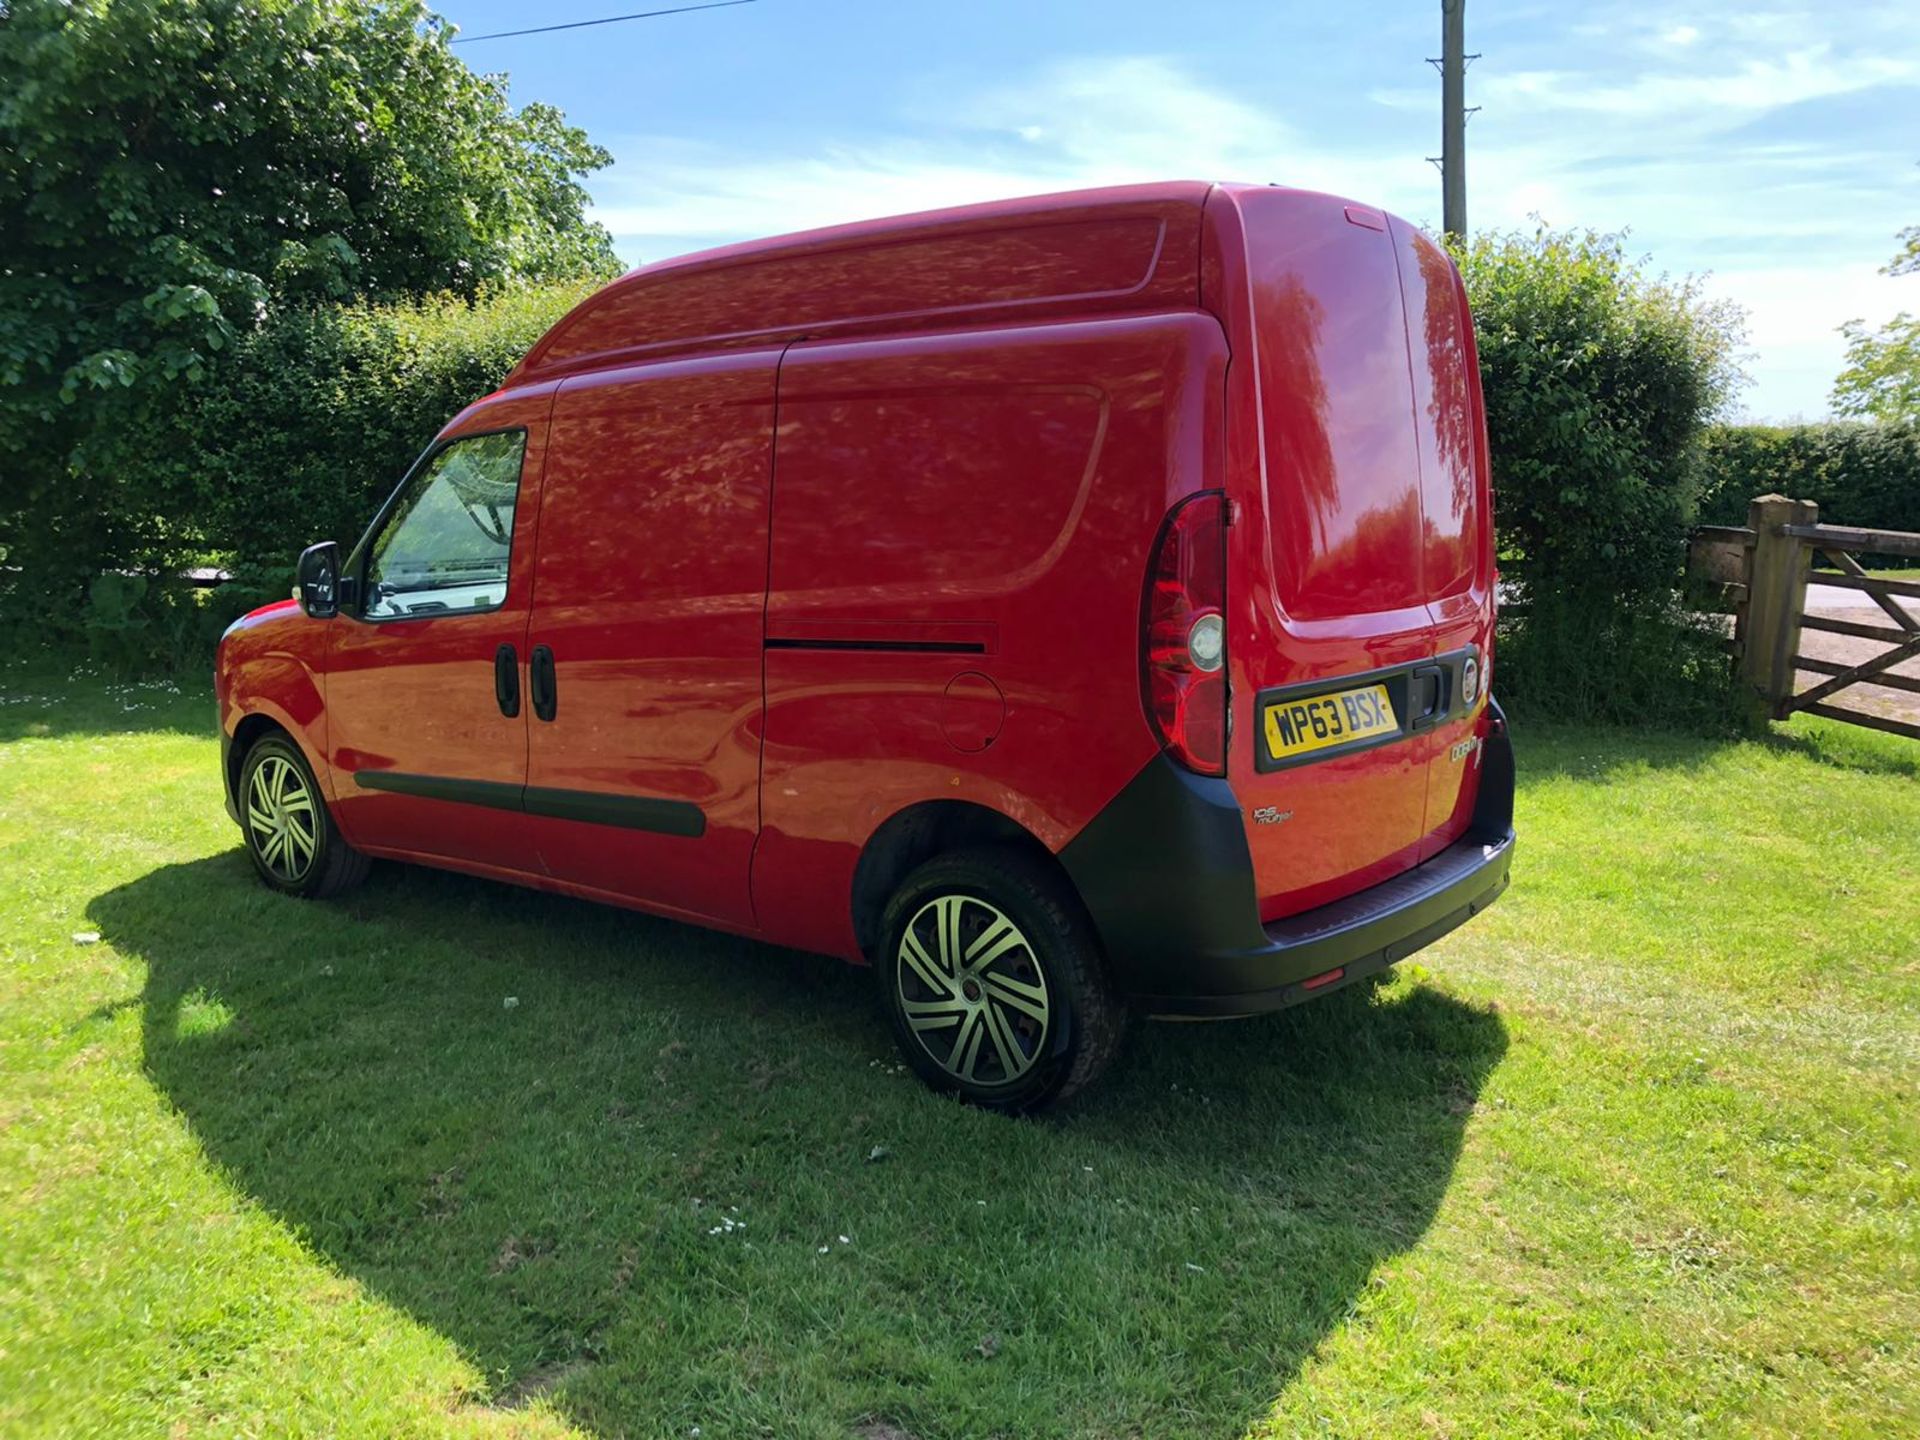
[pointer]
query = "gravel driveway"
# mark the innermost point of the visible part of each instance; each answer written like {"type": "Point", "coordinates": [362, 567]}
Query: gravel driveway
{"type": "Point", "coordinates": [1836, 603]}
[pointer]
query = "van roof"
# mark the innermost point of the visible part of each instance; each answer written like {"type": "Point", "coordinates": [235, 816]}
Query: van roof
{"type": "Point", "coordinates": [1131, 247]}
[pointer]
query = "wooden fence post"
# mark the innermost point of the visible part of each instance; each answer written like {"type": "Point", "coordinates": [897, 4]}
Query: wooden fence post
{"type": "Point", "coordinates": [1776, 597]}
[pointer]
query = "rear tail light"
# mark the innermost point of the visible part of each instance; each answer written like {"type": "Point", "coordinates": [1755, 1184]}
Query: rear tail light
{"type": "Point", "coordinates": [1183, 635]}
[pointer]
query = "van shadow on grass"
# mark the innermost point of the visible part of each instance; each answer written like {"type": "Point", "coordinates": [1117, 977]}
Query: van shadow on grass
{"type": "Point", "coordinates": [627, 1189]}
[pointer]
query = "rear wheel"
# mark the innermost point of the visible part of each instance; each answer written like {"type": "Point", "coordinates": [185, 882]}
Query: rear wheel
{"type": "Point", "coordinates": [992, 977]}
{"type": "Point", "coordinates": [294, 844]}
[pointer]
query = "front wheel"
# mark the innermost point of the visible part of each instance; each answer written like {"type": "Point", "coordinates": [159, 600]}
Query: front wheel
{"type": "Point", "coordinates": [294, 844]}
{"type": "Point", "coordinates": [992, 977]}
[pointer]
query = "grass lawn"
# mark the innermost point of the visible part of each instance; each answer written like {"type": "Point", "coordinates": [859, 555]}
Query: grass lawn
{"type": "Point", "coordinates": [1880, 572]}
{"type": "Point", "coordinates": [1633, 1153]}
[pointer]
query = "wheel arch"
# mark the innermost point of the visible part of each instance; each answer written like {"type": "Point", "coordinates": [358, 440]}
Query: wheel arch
{"type": "Point", "coordinates": [249, 731]}
{"type": "Point", "coordinates": [916, 834]}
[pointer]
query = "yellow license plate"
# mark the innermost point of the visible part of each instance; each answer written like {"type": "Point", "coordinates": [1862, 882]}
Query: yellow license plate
{"type": "Point", "coordinates": [1299, 727]}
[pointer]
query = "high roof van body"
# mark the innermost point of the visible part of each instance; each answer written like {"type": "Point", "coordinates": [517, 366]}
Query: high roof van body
{"type": "Point", "coordinates": [1069, 606]}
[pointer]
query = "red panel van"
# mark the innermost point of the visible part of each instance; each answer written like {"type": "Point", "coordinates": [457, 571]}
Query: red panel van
{"type": "Point", "coordinates": [1067, 606]}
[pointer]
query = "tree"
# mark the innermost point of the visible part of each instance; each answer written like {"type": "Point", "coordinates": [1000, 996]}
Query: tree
{"type": "Point", "coordinates": [170, 169]}
{"type": "Point", "coordinates": [1881, 379]}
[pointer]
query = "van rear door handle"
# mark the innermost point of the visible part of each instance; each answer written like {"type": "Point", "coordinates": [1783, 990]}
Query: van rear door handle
{"type": "Point", "coordinates": [506, 680]}
{"type": "Point", "coordinates": [541, 680]}
{"type": "Point", "coordinates": [1427, 696]}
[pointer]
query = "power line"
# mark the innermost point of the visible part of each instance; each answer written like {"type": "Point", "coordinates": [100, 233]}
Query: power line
{"type": "Point", "coordinates": [610, 20]}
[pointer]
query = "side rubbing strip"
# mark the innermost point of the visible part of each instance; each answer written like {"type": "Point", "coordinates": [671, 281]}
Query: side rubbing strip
{"type": "Point", "coordinates": [913, 647]}
{"type": "Point", "coordinates": [491, 793]}
{"type": "Point", "coordinates": [627, 812]}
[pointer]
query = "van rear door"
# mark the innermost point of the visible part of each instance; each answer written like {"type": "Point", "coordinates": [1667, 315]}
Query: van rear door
{"type": "Point", "coordinates": [1450, 428]}
{"type": "Point", "coordinates": [1330, 635]}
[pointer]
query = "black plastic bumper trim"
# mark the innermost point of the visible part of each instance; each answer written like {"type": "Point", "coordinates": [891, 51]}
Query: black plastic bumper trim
{"type": "Point", "coordinates": [626, 812]}
{"type": "Point", "coordinates": [227, 776]}
{"type": "Point", "coordinates": [1167, 877]}
{"type": "Point", "coordinates": [1364, 933]}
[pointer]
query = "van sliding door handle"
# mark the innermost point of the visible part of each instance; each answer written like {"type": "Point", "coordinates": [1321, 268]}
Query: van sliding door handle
{"type": "Point", "coordinates": [540, 679]}
{"type": "Point", "coordinates": [506, 680]}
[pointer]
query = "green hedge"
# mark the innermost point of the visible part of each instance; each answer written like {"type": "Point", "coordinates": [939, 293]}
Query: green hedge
{"type": "Point", "coordinates": [1600, 379]}
{"type": "Point", "coordinates": [297, 436]}
{"type": "Point", "coordinates": [321, 412]}
{"type": "Point", "coordinates": [1858, 473]}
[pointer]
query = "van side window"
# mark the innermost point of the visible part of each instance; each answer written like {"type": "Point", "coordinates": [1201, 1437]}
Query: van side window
{"type": "Point", "coordinates": [445, 545]}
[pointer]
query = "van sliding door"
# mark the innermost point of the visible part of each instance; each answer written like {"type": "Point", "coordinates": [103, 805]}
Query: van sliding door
{"type": "Point", "coordinates": [649, 597]}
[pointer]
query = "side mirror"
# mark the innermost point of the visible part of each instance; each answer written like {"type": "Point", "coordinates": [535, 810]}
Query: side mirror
{"type": "Point", "coordinates": [317, 580]}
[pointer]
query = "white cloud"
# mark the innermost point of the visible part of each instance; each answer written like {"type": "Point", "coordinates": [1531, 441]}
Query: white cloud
{"type": "Point", "coordinates": [1140, 113]}
{"type": "Point", "coordinates": [1680, 35]}
{"type": "Point", "coordinates": [1084, 123]}
{"type": "Point", "coordinates": [1793, 224]}
{"type": "Point", "coordinates": [1794, 312]}
{"type": "Point", "coordinates": [680, 195]}
{"type": "Point", "coordinates": [1726, 98]}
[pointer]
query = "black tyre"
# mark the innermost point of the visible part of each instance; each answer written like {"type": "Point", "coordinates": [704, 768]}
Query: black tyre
{"type": "Point", "coordinates": [294, 844]}
{"type": "Point", "coordinates": [992, 977]}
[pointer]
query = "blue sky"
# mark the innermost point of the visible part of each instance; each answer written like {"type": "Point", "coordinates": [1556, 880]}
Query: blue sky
{"type": "Point", "coordinates": [1773, 147]}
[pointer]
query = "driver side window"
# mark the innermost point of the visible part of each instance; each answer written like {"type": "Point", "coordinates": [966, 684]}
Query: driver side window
{"type": "Point", "coordinates": [445, 545]}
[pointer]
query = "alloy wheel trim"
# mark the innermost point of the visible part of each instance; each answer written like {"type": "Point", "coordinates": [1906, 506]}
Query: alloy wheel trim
{"type": "Point", "coordinates": [282, 819]}
{"type": "Point", "coordinates": [973, 992]}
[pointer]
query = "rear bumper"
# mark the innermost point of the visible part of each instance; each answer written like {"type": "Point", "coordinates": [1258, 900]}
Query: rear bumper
{"type": "Point", "coordinates": [1166, 874]}
{"type": "Point", "coordinates": [1344, 942]}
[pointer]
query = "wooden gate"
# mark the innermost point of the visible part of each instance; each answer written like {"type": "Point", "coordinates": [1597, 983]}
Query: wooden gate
{"type": "Point", "coordinates": [1764, 568]}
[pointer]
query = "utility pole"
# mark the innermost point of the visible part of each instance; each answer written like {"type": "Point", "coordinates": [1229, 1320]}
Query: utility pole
{"type": "Point", "coordinates": [1453, 119]}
